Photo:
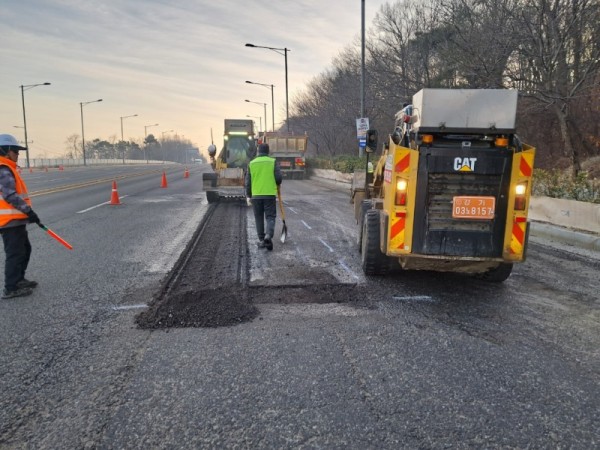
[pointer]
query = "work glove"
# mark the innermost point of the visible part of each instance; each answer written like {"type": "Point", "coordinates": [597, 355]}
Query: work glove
{"type": "Point", "coordinates": [33, 217]}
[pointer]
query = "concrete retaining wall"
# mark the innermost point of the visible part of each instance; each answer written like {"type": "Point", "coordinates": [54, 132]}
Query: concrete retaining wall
{"type": "Point", "coordinates": [566, 213]}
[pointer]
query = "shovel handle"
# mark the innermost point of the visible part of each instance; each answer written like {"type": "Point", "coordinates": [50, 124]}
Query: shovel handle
{"type": "Point", "coordinates": [280, 203]}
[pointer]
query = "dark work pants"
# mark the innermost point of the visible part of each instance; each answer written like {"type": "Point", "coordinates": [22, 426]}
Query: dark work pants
{"type": "Point", "coordinates": [264, 208]}
{"type": "Point", "coordinates": [18, 250]}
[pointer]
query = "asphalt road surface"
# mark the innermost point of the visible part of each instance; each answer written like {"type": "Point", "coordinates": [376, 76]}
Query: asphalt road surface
{"type": "Point", "coordinates": [293, 348]}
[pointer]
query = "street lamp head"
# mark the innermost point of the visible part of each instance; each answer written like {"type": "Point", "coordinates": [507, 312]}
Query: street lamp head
{"type": "Point", "coordinates": [250, 45]}
{"type": "Point", "coordinates": [99, 100]}
{"type": "Point", "coordinates": [247, 101]}
{"type": "Point", "coordinates": [46, 84]}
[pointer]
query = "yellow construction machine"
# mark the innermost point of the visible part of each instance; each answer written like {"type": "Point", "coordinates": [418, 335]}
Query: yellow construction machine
{"type": "Point", "coordinates": [451, 189]}
{"type": "Point", "coordinates": [230, 165]}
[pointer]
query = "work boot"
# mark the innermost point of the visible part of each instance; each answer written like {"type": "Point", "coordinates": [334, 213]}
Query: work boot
{"type": "Point", "coordinates": [268, 242]}
{"type": "Point", "coordinates": [260, 244]}
{"type": "Point", "coordinates": [20, 292]}
{"type": "Point", "coordinates": [25, 283]}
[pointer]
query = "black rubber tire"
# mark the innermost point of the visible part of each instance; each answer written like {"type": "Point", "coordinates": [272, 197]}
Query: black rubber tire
{"type": "Point", "coordinates": [212, 196]}
{"type": "Point", "coordinates": [497, 274]}
{"type": "Point", "coordinates": [373, 261]}
{"type": "Point", "coordinates": [364, 207]}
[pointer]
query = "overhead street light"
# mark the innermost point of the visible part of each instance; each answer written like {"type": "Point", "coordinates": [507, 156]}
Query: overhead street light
{"type": "Point", "coordinates": [259, 120]}
{"type": "Point", "coordinates": [264, 105]}
{"type": "Point", "coordinates": [272, 103]}
{"type": "Point", "coordinates": [81, 105]}
{"type": "Point", "coordinates": [279, 50]}
{"type": "Point", "coordinates": [145, 136]}
{"type": "Point", "coordinates": [25, 87]}
{"type": "Point", "coordinates": [122, 140]}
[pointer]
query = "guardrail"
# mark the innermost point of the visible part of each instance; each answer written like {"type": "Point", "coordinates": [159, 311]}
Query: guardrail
{"type": "Point", "coordinates": [66, 162]}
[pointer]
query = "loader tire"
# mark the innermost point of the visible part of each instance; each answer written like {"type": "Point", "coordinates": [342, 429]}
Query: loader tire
{"type": "Point", "coordinates": [374, 262]}
{"type": "Point", "coordinates": [497, 274]}
{"type": "Point", "coordinates": [212, 196]}
{"type": "Point", "coordinates": [364, 207]}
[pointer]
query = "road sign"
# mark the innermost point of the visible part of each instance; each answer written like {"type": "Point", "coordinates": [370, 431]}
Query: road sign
{"type": "Point", "coordinates": [362, 125]}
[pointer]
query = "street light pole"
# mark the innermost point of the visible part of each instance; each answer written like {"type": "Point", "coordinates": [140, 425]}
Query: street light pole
{"type": "Point", "coordinates": [81, 105]}
{"type": "Point", "coordinates": [272, 103]}
{"type": "Point", "coordinates": [285, 51]}
{"type": "Point", "coordinates": [122, 140]}
{"type": "Point", "coordinates": [145, 136]}
{"type": "Point", "coordinates": [23, 89]}
{"type": "Point", "coordinates": [264, 105]}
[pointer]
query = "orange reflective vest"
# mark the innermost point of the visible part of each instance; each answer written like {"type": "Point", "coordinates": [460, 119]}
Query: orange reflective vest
{"type": "Point", "coordinates": [7, 211]}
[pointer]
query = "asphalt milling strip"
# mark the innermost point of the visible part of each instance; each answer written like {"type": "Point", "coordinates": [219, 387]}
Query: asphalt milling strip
{"type": "Point", "coordinates": [209, 287]}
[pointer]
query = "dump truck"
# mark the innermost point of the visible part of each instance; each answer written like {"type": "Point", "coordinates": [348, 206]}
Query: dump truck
{"type": "Point", "coordinates": [451, 189]}
{"type": "Point", "coordinates": [288, 150]}
{"type": "Point", "coordinates": [226, 182]}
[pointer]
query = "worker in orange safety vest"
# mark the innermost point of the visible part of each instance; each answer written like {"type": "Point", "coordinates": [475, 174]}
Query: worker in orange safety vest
{"type": "Point", "coordinates": [15, 214]}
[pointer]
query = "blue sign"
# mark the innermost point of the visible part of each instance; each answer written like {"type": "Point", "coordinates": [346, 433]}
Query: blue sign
{"type": "Point", "coordinates": [362, 142]}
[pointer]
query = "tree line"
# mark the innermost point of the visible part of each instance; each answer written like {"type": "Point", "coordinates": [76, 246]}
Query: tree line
{"type": "Point", "coordinates": [174, 148]}
{"type": "Point", "coordinates": [547, 49]}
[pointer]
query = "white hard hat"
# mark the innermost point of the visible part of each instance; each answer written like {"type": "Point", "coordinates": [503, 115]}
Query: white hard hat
{"type": "Point", "coordinates": [6, 140]}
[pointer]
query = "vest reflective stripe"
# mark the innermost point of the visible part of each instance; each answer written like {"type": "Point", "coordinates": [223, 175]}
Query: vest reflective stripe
{"type": "Point", "coordinates": [7, 211]}
{"type": "Point", "coordinates": [262, 174]}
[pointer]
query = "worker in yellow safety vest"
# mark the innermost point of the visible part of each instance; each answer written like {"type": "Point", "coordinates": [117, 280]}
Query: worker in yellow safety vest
{"type": "Point", "coordinates": [262, 181]}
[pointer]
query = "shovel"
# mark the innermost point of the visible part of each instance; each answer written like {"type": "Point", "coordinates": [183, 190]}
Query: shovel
{"type": "Point", "coordinates": [284, 228]}
{"type": "Point", "coordinates": [56, 236]}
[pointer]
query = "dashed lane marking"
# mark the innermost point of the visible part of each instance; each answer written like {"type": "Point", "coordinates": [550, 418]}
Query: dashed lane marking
{"type": "Point", "coordinates": [97, 206]}
{"type": "Point", "coordinates": [126, 307]}
{"type": "Point", "coordinates": [306, 225]}
{"type": "Point", "coordinates": [325, 244]}
{"type": "Point", "coordinates": [348, 269]}
{"type": "Point", "coordinates": [417, 298]}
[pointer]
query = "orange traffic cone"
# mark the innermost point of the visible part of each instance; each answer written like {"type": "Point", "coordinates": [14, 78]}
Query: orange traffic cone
{"type": "Point", "coordinates": [186, 173]}
{"type": "Point", "coordinates": [163, 183]}
{"type": "Point", "coordinates": [114, 197]}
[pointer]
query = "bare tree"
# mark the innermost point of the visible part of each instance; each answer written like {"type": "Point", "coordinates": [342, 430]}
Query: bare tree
{"type": "Point", "coordinates": [73, 146]}
{"type": "Point", "coordinates": [558, 59]}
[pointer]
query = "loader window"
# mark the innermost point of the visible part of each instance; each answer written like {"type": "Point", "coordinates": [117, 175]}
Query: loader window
{"type": "Point", "coordinates": [239, 151]}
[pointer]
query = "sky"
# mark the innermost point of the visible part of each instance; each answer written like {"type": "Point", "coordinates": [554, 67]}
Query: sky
{"type": "Point", "coordinates": [181, 64]}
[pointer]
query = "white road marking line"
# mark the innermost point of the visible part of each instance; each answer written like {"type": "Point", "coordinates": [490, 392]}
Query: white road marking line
{"type": "Point", "coordinates": [290, 209]}
{"type": "Point", "coordinates": [306, 225]}
{"type": "Point", "coordinates": [347, 269]}
{"type": "Point", "coordinates": [125, 307]}
{"type": "Point", "coordinates": [325, 244]}
{"type": "Point", "coordinates": [415, 298]}
{"type": "Point", "coordinates": [97, 206]}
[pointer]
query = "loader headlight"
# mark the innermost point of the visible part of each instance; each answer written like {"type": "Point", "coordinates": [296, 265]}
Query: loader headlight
{"type": "Point", "coordinates": [401, 188]}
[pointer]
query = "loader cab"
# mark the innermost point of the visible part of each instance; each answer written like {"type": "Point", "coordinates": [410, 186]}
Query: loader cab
{"type": "Point", "coordinates": [238, 150]}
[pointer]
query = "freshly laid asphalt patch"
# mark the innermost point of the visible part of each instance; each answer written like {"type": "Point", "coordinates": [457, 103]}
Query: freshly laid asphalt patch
{"type": "Point", "coordinates": [202, 308]}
